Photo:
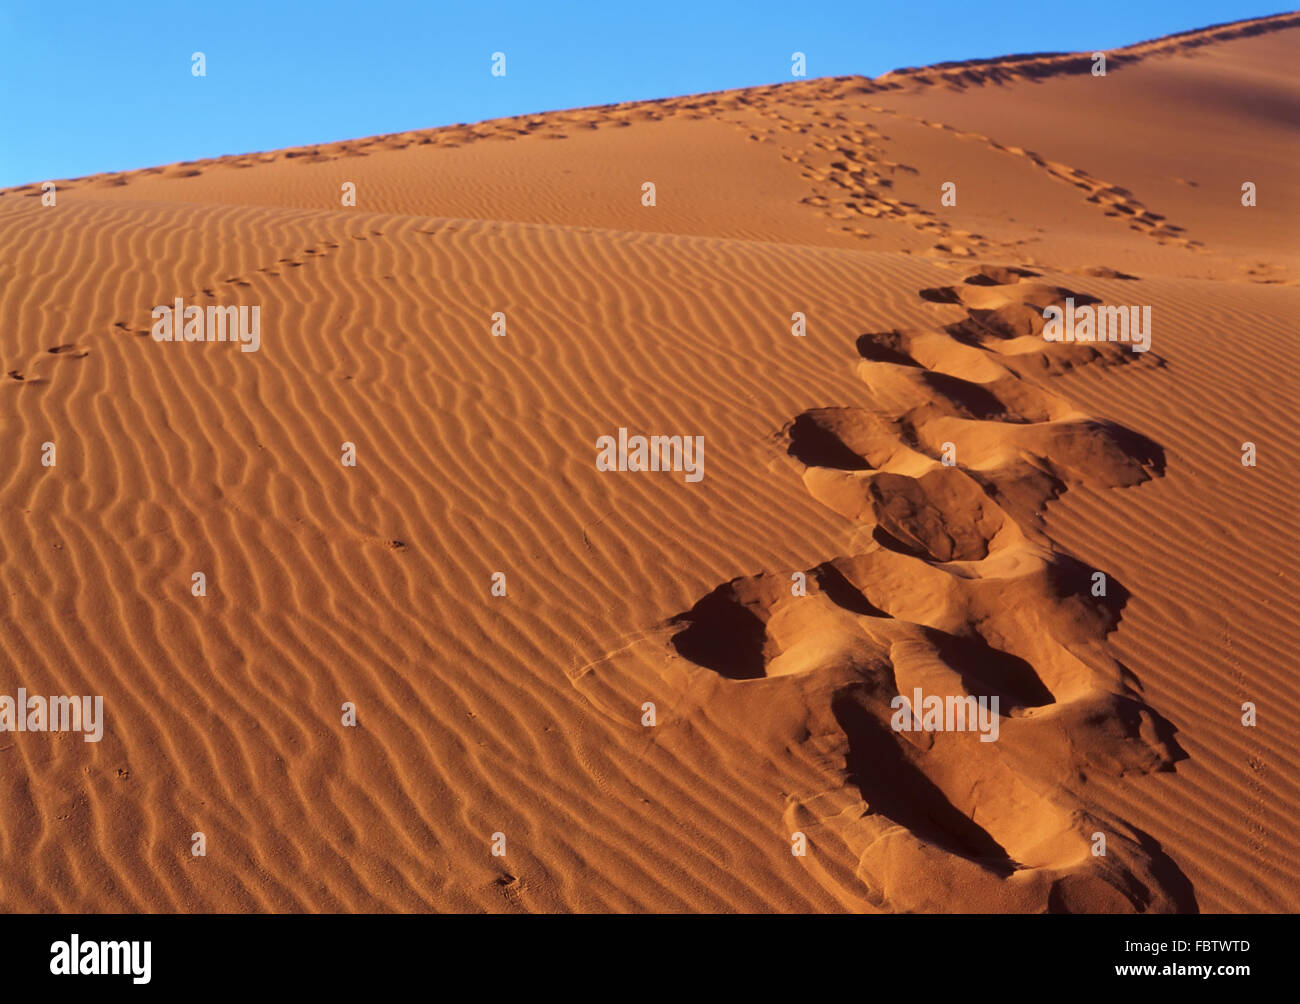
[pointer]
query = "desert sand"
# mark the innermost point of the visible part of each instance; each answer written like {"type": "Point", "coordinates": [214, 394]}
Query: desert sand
{"type": "Point", "coordinates": [522, 714]}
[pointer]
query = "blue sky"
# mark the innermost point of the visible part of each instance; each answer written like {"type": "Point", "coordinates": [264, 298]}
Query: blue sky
{"type": "Point", "coordinates": [101, 86]}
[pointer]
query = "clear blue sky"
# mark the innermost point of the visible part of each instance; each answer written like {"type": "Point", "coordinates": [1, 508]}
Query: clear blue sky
{"type": "Point", "coordinates": [97, 85]}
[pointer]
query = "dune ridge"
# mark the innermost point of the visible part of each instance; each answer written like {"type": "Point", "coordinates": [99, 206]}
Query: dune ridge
{"type": "Point", "coordinates": [551, 124]}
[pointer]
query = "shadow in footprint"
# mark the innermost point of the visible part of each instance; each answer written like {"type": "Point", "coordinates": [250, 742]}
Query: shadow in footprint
{"type": "Point", "coordinates": [992, 275]}
{"type": "Point", "coordinates": [878, 348]}
{"type": "Point", "coordinates": [1068, 576]}
{"type": "Point", "coordinates": [812, 443]}
{"type": "Point", "coordinates": [1176, 884]}
{"type": "Point", "coordinates": [987, 671]}
{"type": "Point", "coordinates": [1141, 448]}
{"type": "Point", "coordinates": [1130, 713]}
{"type": "Point", "coordinates": [844, 593]}
{"type": "Point", "coordinates": [940, 294]}
{"type": "Point", "coordinates": [723, 635]}
{"type": "Point", "coordinates": [887, 540]}
{"type": "Point", "coordinates": [977, 401]}
{"type": "Point", "coordinates": [1081, 893]}
{"type": "Point", "coordinates": [893, 787]}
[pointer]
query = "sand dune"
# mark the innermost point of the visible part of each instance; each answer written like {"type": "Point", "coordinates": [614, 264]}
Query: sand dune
{"type": "Point", "coordinates": [522, 714]}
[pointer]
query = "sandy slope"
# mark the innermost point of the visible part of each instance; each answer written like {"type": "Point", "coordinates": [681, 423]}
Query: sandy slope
{"type": "Point", "coordinates": [522, 714]}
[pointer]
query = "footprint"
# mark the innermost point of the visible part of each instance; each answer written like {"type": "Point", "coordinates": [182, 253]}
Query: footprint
{"type": "Point", "coordinates": [957, 591]}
